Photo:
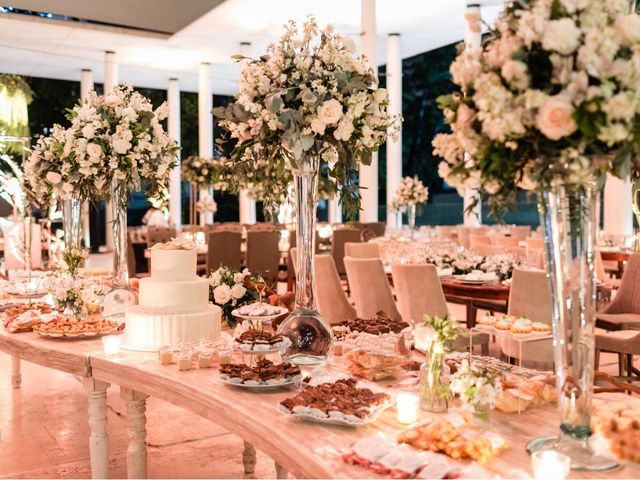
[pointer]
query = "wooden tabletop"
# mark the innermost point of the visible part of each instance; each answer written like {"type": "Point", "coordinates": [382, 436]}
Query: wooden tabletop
{"type": "Point", "coordinates": [491, 291]}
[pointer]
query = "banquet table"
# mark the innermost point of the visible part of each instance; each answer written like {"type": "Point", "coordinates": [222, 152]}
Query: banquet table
{"type": "Point", "coordinates": [308, 450]}
{"type": "Point", "coordinates": [458, 292]}
{"type": "Point", "coordinates": [619, 256]}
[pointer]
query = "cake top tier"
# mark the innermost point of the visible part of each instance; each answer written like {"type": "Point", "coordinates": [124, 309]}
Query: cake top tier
{"type": "Point", "coordinates": [176, 244]}
{"type": "Point", "coordinates": [173, 264]}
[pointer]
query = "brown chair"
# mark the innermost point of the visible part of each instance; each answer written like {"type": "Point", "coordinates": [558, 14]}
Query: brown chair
{"type": "Point", "coordinates": [224, 249]}
{"type": "Point", "coordinates": [226, 227]}
{"type": "Point", "coordinates": [419, 292]}
{"type": "Point", "coordinates": [261, 227]}
{"type": "Point", "coordinates": [376, 227]}
{"type": "Point", "coordinates": [370, 287]}
{"type": "Point", "coordinates": [367, 235]}
{"type": "Point", "coordinates": [159, 235]}
{"type": "Point", "coordinates": [331, 298]}
{"type": "Point", "coordinates": [504, 241]}
{"type": "Point", "coordinates": [626, 343]}
{"type": "Point", "coordinates": [362, 250]}
{"type": "Point", "coordinates": [623, 313]}
{"type": "Point", "coordinates": [263, 254]}
{"type": "Point", "coordinates": [340, 237]}
{"type": "Point", "coordinates": [191, 229]}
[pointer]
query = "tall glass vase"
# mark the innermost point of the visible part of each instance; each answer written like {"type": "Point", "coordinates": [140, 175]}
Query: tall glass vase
{"type": "Point", "coordinates": [309, 333]}
{"type": "Point", "coordinates": [635, 191]}
{"type": "Point", "coordinates": [411, 216]}
{"type": "Point", "coordinates": [72, 222]}
{"type": "Point", "coordinates": [121, 296]}
{"type": "Point", "coordinates": [567, 213]}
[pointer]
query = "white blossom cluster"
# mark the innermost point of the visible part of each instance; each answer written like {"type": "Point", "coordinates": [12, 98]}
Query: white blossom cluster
{"type": "Point", "coordinates": [475, 388]}
{"type": "Point", "coordinates": [205, 172]}
{"type": "Point", "coordinates": [554, 87]}
{"type": "Point", "coordinates": [411, 191]}
{"type": "Point", "coordinates": [72, 292]}
{"type": "Point", "coordinates": [206, 204]}
{"type": "Point", "coordinates": [113, 138]}
{"type": "Point", "coordinates": [503, 264]}
{"type": "Point", "coordinates": [308, 96]}
{"type": "Point", "coordinates": [228, 290]}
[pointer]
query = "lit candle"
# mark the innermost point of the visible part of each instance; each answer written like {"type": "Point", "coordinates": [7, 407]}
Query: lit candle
{"type": "Point", "coordinates": [407, 405]}
{"type": "Point", "coordinates": [550, 465]}
{"type": "Point", "coordinates": [111, 344]}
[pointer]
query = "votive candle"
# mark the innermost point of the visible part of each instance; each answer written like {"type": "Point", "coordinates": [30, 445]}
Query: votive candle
{"type": "Point", "coordinates": [407, 405]}
{"type": "Point", "coordinates": [111, 344]}
{"type": "Point", "coordinates": [550, 465]}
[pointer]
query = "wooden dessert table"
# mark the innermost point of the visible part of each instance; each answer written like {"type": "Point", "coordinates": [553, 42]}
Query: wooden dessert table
{"type": "Point", "coordinates": [305, 449]}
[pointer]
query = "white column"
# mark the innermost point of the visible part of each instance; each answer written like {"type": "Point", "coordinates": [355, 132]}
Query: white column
{"type": "Point", "coordinates": [86, 85]}
{"type": "Point", "coordinates": [394, 147]}
{"type": "Point", "coordinates": [247, 205]}
{"type": "Point", "coordinates": [175, 186]}
{"type": "Point", "coordinates": [369, 174]}
{"type": "Point", "coordinates": [205, 121]}
{"type": "Point", "coordinates": [618, 213]}
{"type": "Point", "coordinates": [472, 40]}
{"type": "Point", "coordinates": [110, 81]}
{"type": "Point", "coordinates": [335, 210]}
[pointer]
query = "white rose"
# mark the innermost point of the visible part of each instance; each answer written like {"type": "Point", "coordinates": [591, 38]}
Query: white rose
{"type": "Point", "coordinates": [330, 112]}
{"type": "Point", "coordinates": [562, 36]}
{"type": "Point", "coordinates": [555, 118]}
{"type": "Point", "coordinates": [121, 146]}
{"type": "Point", "coordinates": [94, 150]}
{"type": "Point", "coordinates": [88, 131]}
{"type": "Point", "coordinates": [238, 291]}
{"type": "Point", "coordinates": [628, 29]}
{"type": "Point", "coordinates": [54, 178]}
{"type": "Point", "coordinates": [111, 100]}
{"type": "Point", "coordinates": [380, 95]}
{"type": "Point", "coordinates": [317, 126]}
{"type": "Point", "coordinates": [67, 187]}
{"type": "Point", "coordinates": [238, 277]}
{"type": "Point", "coordinates": [215, 279]}
{"type": "Point", "coordinates": [222, 294]}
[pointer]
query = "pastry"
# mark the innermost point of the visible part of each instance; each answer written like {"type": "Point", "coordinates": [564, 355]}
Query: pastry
{"type": "Point", "coordinates": [487, 320]}
{"type": "Point", "coordinates": [61, 326]}
{"type": "Point", "coordinates": [259, 339]}
{"type": "Point", "coordinates": [521, 326]}
{"type": "Point", "coordinates": [378, 325]}
{"type": "Point", "coordinates": [504, 323]}
{"type": "Point", "coordinates": [541, 327]}
{"type": "Point", "coordinates": [264, 373]}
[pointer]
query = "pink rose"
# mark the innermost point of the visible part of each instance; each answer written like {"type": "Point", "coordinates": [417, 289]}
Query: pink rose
{"type": "Point", "coordinates": [330, 112]}
{"type": "Point", "coordinates": [555, 118]}
{"type": "Point", "coordinates": [464, 116]}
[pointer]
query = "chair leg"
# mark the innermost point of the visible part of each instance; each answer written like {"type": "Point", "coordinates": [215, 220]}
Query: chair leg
{"type": "Point", "coordinates": [484, 349]}
{"type": "Point", "coordinates": [597, 359]}
{"type": "Point", "coordinates": [621, 364]}
{"type": "Point", "coordinates": [629, 365]}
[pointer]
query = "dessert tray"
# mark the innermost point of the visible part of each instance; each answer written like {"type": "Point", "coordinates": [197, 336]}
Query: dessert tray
{"type": "Point", "coordinates": [616, 428]}
{"type": "Point", "coordinates": [64, 328]}
{"type": "Point", "coordinates": [24, 317]}
{"type": "Point", "coordinates": [337, 403]}
{"type": "Point", "coordinates": [264, 375]}
{"type": "Point", "coordinates": [258, 341]}
{"type": "Point", "coordinates": [259, 311]}
{"type": "Point", "coordinates": [378, 325]}
{"type": "Point", "coordinates": [520, 328]}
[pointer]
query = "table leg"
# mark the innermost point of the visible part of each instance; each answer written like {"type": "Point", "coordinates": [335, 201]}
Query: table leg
{"type": "Point", "coordinates": [16, 376]}
{"type": "Point", "coordinates": [249, 458]}
{"type": "Point", "coordinates": [136, 425]}
{"type": "Point", "coordinates": [281, 472]}
{"type": "Point", "coordinates": [98, 439]}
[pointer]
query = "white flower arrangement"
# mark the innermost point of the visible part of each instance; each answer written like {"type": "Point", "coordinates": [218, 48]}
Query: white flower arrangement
{"type": "Point", "coordinates": [308, 97]}
{"type": "Point", "coordinates": [411, 191]}
{"type": "Point", "coordinates": [117, 137]}
{"type": "Point", "coordinates": [73, 294]}
{"type": "Point", "coordinates": [476, 388]}
{"type": "Point", "coordinates": [228, 290]}
{"type": "Point", "coordinates": [206, 172]}
{"type": "Point", "coordinates": [552, 94]}
{"type": "Point", "coordinates": [206, 204]}
{"type": "Point", "coordinates": [503, 264]}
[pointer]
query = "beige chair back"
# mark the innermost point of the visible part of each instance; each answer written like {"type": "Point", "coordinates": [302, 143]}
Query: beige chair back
{"type": "Point", "coordinates": [370, 288]}
{"type": "Point", "coordinates": [226, 227]}
{"type": "Point", "coordinates": [331, 299]}
{"type": "Point", "coordinates": [503, 241]}
{"type": "Point", "coordinates": [418, 290]}
{"type": "Point", "coordinates": [535, 243]}
{"type": "Point", "coordinates": [362, 250]}
{"type": "Point", "coordinates": [475, 240]}
{"type": "Point", "coordinates": [535, 257]}
{"type": "Point", "coordinates": [263, 254]}
{"type": "Point", "coordinates": [446, 231]}
{"type": "Point", "coordinates": [159, 235]}
{"type": "Point", "coordinates": [224, 249]}
{"type": "Point", "coordinates": [340, 237]}
{"type": "Point", "coordinates": [463, 236]}
{"type": "Point", "coordinates": [521, 231]}
{"type": "Point", "coordinates": [487, 250]}
{"type": "Point", "coordinates": [627, 300]}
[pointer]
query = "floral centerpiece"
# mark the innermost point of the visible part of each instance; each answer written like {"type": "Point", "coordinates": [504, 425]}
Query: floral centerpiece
{"type": "Point", "coordinates": [503, 264]}
{"type": "Point", "coordinates": [478, 389]}
{"type": "Point", "coordinates": [206, 172]}
{"type": "Point", "coordinates": [307, 105]}
{"type": "Point", "coordinates": [206, 204]}
{"type": "Point", "coordinates": [74, 296]}
{"type": "Point", "coordinates": [410, 193]}
{"type": "Point", "coordinates": [73, 259]}
{"type": "Point", "coordinates": [550, 103]}
{"type": "Point", "coordinates": [434, 337]}
{"type": "Point", "coordinates": [230, 289]}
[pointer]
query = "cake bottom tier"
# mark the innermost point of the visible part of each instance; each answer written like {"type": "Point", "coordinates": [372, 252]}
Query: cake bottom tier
{"type": "Point", "coordinates": [147, 330]}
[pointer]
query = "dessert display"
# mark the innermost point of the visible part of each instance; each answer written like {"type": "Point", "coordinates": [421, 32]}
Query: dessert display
{"type": "Point", "coordinates": [515, 326]}
{"type": "Point", "coordinates": [541, 327]}
{"type": "Point", "coordinates": [259, 310]}
{"type": "Point", "coordinates": [260, 340]}
{"type": "Point", "coordinates": [487, 320]}
{"type": "Point", "coordinates": [61, 327]}
{"type": "Point", "coordinates": [340, 402]}
{"type": "Point", "coordinates": [22, 318]}
{"type": "Point", "coordinates": [375, 365]}
{"type": "Point", "coordinates": [456, 435]}
{"type": "Point", "coordinates": [173, 302]}
{"type": "Point", "coordinates": [616, 427]}
{"type": "Point", "coordinates": [378, 325]}
{"type": "Point", "coordinates": [386, 342]}
{"type": "Point", "coordinates": [264, 373]}
{"type": "Point", "coordinates": [504, 324]}
{"type": "Point", "coordinates": [477, 276]}
{"type": "Point", "coordinates": [521, 326]}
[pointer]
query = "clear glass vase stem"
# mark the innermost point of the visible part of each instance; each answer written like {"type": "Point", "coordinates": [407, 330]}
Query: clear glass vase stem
{"type": "Point", "coordinates": [72, 222]}
{"type": "Point", "coordinates": [306, 185]}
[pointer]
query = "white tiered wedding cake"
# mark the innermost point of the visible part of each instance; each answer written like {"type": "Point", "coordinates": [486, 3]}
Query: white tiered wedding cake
{"type": "Point", "coordinates": [173, 302]}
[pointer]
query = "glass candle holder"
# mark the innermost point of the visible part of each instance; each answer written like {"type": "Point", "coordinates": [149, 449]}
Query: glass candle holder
{"type": "Point", "coordinates": [111, 344]}
{"type": "Point", "coordinates": [185, 360]}
{"type": "Point", "coordinates": [407, 405]}
{"type": "Point", "coordinates": [550, 465]}
{"type": "Point", "coordinates": [165, 355]}
{"type": "Point", "coordinates": [205, 358]}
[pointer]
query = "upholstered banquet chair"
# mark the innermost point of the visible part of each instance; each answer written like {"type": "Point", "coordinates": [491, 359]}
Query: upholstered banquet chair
{"type": "Point", "coordinates": [535, 242]}
{"type": "Point", "coordinates": [530, 297]}
{"type": "Point", "coordinates": [362, 250]}
{"type": "Point", "coordinates": [340, 237]}
{"type": "Point", "coordinates": [331, 299]}
{"type": "Point", "coordinates": [419, 292]}
{"type": "Point", "coordinates": [476, 240]}
{"type": "Point", "coordinates": [504, 241]}
{"type": "Point", "coordinates": [159, 235]}
{"type": "Point", "coordinates": [376, 227]}
{"type": "Point", "coordinates": [370, 289]}
{"type": "Point", "coordinates": [623, 313]}
{"type": "Point", "coordinates": [521, 231]}
{"type": "Point", "coordinates": [224, 249]}
{"type": "Point", "coordinates": [446, 232]}
{"type": "Point", "coordinates": [626, 343]}
{"type": "Point", "coordinates": [263, 254]}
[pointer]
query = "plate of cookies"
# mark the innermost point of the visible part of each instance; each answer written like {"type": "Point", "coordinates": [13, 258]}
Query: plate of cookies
{"type": "Point", "coordinates": [62, 327]}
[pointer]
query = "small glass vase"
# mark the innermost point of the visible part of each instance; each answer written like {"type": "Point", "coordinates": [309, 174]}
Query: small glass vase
{"type": "Point", "coordinates": [411, 216]}
{"type": "Point", "coordinates": [27, 240]}
{"type": "Point", "coordinates": [635, 192]}
{"type": "Point", "coordinates": [567, 213]}
{"type": "Point", "coordinates": [75, 313]}
{"type": "Point", "coordinates": [432, 397]}
{"type": "Point", "coordinates": [482, 411]}
{"type": "Point", "coordinates": [310, 335]}
{"type": "Point", "coordinates": [121, 296]}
